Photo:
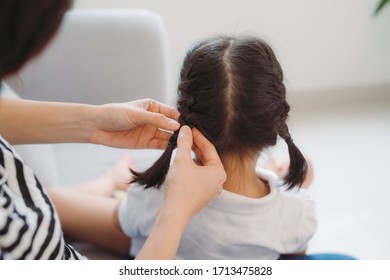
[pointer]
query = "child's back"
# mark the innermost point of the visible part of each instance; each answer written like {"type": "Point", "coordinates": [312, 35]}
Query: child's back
{"type": "Point", "coordinates": [232, 226]}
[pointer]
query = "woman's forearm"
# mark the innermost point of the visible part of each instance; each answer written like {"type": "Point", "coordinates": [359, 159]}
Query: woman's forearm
{"type": "Point", "coordinates": [163, 241]}
{"type": "Point", "coordinates": [31, 122]}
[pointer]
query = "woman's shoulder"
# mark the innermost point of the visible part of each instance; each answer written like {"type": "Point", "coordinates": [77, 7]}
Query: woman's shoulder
{"type": "Point", "coordinates": [5, 145]}
{"type": "Point", "coordinates": [7, 151]}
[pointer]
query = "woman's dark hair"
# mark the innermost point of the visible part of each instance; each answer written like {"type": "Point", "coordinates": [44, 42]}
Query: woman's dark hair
{"type": "Point", "coordinates": [231, 89]}
{"type": "Point", "coordinates": [26, 26]}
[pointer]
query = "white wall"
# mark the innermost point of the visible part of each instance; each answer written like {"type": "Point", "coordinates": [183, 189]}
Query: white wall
{"type": "Point", "coordinates": [320, 44]}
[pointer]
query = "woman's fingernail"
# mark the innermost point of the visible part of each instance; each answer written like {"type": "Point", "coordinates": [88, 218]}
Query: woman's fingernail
{"type": "Point", "coordinates": [185, 129]}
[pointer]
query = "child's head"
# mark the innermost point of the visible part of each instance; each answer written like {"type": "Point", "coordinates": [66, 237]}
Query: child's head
{"type": "Point", "coordinates": [231, 89]}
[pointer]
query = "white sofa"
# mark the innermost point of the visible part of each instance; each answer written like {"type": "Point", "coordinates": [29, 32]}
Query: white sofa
{"type": "Point", "coordinates": [98, 56]}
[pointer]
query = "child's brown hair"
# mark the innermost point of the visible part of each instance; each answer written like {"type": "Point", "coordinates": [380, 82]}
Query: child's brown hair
{"type": "Point", "coordinates": [231, 89]}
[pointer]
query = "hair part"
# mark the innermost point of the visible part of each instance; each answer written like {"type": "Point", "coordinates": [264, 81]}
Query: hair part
{"type": "Point", "coordinates": [231, 89]}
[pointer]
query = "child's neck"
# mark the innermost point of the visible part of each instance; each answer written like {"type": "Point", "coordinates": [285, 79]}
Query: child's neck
{"type": "Point", "coordinates": [242, 178]}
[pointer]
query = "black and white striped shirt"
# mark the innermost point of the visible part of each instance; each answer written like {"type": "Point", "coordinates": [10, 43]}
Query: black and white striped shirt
{"type": "Point", "coordinates": [29, 224]}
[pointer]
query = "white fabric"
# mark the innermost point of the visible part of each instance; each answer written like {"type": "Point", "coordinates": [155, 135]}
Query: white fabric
{"type": "Point", "coordinates": [231, 226]}
{"type": "Point", "coordinates": [29, 224]}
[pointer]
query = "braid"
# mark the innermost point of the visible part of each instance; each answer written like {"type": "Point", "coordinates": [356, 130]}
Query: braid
{"type": "Point", "coordinates": [298, 165]}
{"type": "Point", "coordinates": [156, 174]}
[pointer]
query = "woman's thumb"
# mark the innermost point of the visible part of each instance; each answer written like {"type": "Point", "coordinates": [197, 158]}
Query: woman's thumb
{"type": "Point", "coordinates": [184, 143]}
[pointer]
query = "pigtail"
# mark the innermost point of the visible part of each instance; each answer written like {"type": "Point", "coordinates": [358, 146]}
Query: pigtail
{"type": "Point", "coordinates": [298, 166]}
{"type": "Point", "coordinates": [156, 174]}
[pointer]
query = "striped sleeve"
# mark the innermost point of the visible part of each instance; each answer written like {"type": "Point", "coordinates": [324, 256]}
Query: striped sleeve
{"type": "Point", "coordinates": [29, 224]}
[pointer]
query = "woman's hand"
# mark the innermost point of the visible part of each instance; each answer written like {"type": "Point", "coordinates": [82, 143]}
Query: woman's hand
{"type": "Point", "coordinates": [189, 186]}
{"type": "Point", "coordinates": [135, 124]}
{"type": "Point", "coordinates": [187, 190]}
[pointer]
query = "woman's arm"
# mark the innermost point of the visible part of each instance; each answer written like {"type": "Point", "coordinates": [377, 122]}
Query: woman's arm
{"type": "Point", "coordinates": [29, 122]}
{"type": "Point", "coordinates": [126, 125]}
{"type": "Point", "coordinates": [163, 241]}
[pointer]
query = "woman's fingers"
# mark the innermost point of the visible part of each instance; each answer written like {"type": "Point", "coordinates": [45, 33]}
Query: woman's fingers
{"type": "Point", "coordinates": [157, 120]}
{"type": "Point", "coordinates": [152, 112]}
{"type": "Point", "coordinates": [205, 150]}
{"type": "Point", "coordinates": [166, 110]}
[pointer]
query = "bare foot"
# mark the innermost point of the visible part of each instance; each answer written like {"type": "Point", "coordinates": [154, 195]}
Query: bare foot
{"type": "Point", "coordinates": [119, 175]}
{"type": "Point", "coordinates": [116, 179]}
{"type": "Point", "coordinates": [280, 167]}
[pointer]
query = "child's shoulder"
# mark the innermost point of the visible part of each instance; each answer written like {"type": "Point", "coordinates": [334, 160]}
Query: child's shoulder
{"type": "Point", "coordinates": [296, 198]}
{"type": "Point", "coordinates": [293, 196]}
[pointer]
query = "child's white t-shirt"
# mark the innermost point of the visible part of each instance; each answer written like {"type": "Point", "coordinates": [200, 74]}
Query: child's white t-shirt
{"type": "Point", "coordinates": [231, 226]}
